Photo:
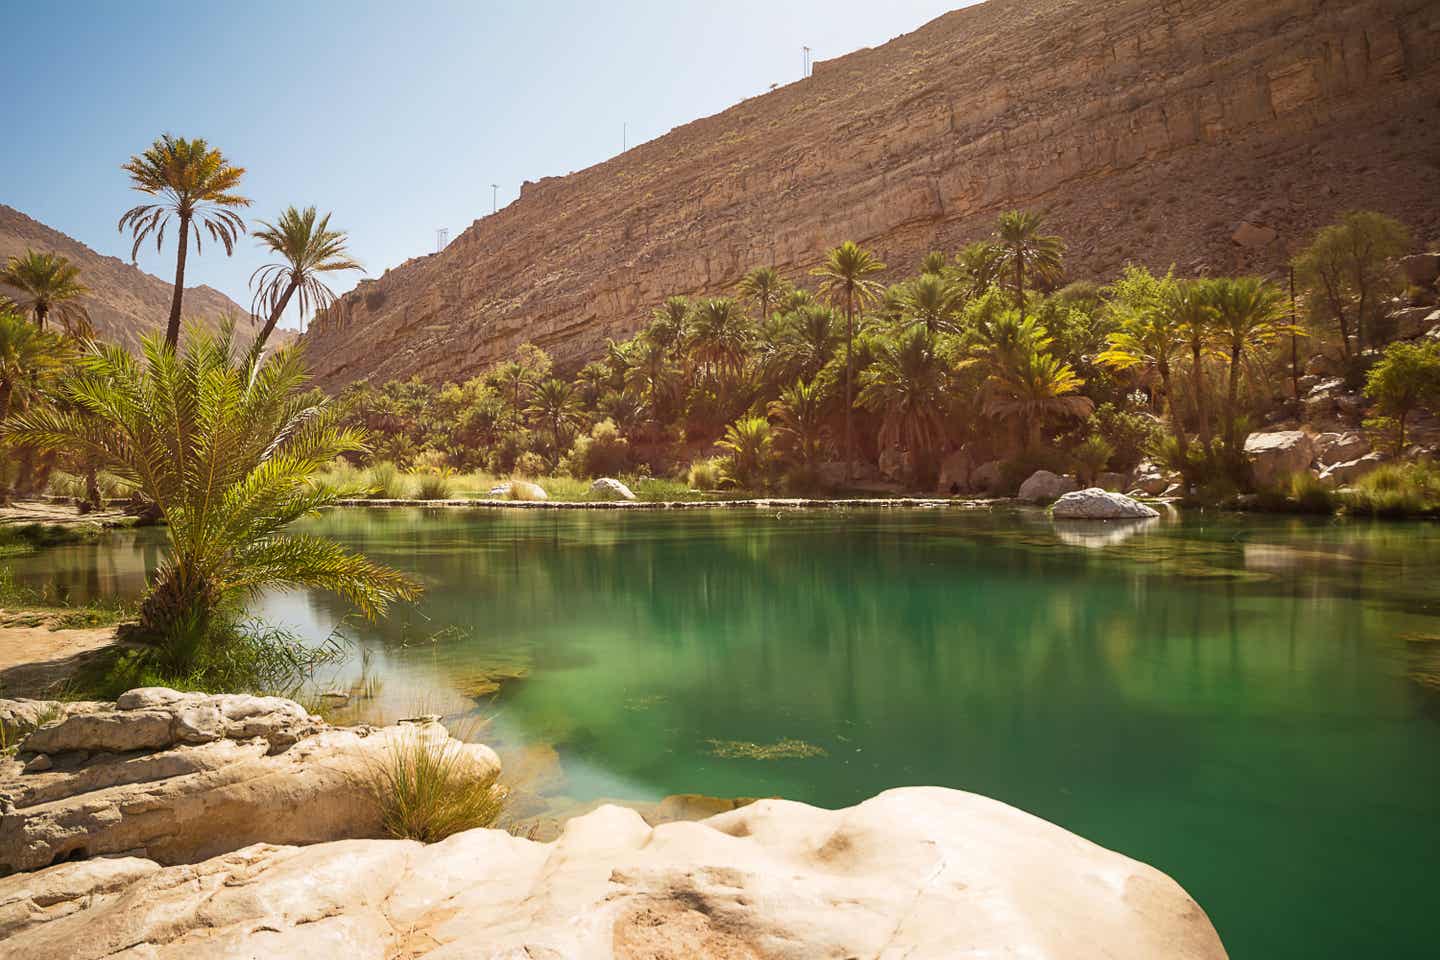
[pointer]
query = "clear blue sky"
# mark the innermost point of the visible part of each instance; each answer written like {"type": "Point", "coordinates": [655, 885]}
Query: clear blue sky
{"type": "Point", "coordinates": [395, 116]}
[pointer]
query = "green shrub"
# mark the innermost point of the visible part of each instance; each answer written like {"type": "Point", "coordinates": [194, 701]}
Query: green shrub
{"type": "Point", "coordinates": [531, 464]}
{"type": "Point", "coordinates": [430, 787]}
{"type": "Point", "coordinates": [704, 475]}
{"type": "Point", "coordinates": [1396, 490]}
{"type": "Point", "coordinates": [386, 482]}
{"type": "Point", "coordinates": [433, 485]}
{"type": "Point", "coordinates": [1132, 435]}
{"type": "Point", "coordinates": [1091, 456]}
{"type": "Point", "coordinates": [603, 453]}
{"type": "Point", "coordinates": [1301, 492]}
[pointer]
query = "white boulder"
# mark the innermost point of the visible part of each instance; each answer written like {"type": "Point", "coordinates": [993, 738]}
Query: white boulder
{"type": "Point", "coordinates": [1343, 474]}
{"type": "Point", "coordinates": [611, 489]}
{"type": "Point", "coordinates": [1339, 447]}
{"type": "Point", "coordinates": [1097, 504]}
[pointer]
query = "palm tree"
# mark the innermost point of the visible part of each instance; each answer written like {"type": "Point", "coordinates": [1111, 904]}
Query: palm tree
{"type": "Point", "coordinates": [800, 428]}
{"type": "Point", "coordinates": [931, 299]}
{"type": "Point", "coordinates": [667, 322]}
{"type": "Point", "coordinates": [29, 357]}
{"type": "Point", "coordinates": [906, 386]}
{"type": "Point", "coordinates": [307, 248]}
{"type": "Point", "coordinates": [1150, 312]}
{"type": "Point", "coordinates": [751, 446]}
{"type": "Point", "coordinates": [980, 265]}
{"type": "Point", "coordinates": [651, 378]}
{"type": "Point", "coordinates": [226, 447]}
{"type": "Point", "coordinates": [806, 342]}
{"type": "Point", "coordinates": [846, 276]}
{"type": "Point", "coordinates": [557, 408]}
{"type": "Point", "coordinates": [1194, 322]}
{"type": "Point", "coordinates": [1027, 250]}
{"type": "Point", "coordinates": [194, 182]}
{"type": "Point", "coordinates": [1039, 387]}
{"type": "Point", "coordinates": [514, 381]}
{"type": "Point", "coordinates": [1249, 314]}
{"type": "Point", "coordinates": [49, 284]}
{"type": "Point", "coordinates": [934, 264]}
{"type": "Point", "coordinates": [764, 287]}
{"type": "Point", "coordinates": [719, 335]}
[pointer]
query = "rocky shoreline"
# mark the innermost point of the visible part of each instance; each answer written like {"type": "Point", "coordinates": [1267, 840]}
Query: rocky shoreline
{"type": "Point", "coordinates": [170, 825]}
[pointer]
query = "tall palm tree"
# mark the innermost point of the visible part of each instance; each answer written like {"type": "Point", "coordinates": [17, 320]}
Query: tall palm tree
{"type": "Point", "coordinates": [1027, 250]}
{"type": "Point", "coordinates": [49, 285]}
{"type": "Point", "coordinates": [1039, 387]}
{"type": "Point", "coordinates": [556, 407]}
{"type": "Point", "coordinates": [1149, 312]}
{"type": "Point", "coordinates": [934, 264]}
{"type": "Point", "coordinates": [719, 335]}
{"type": "Point", "coordinates": [308, 248]}
{"type": "Point", "coordinates": [847, 276]}
{"type": "Point", "coordinates": [764, 287]}
{"type": "Point", "coordinates": [751, 444]}
{"type": "Point", "coordinates": [933, 300]}
{"type": "Point", "coordinates": [196, 185]}
{"type": "Point", "coordinates": [652, 377]}
{"type": "Point", "coordinates": [226, 446]}
{"type": "Point", "coordinates": [1194, 322]}
{"type": "Point", "coordinates": [667, 322]}
{"type": "Point", "coordinates": [800, 423]}
{"type": "Point", "coordinates": [906, 387]}
{"type": "Point", "coordinates": [514, 381]}
{"type": "Point", "coordinates": [806, 342]}
{"type": "Point", "coordinates": [1249, 317]}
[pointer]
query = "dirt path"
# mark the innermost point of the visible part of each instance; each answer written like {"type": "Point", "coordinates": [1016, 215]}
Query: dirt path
{"type": "Point", "coordinates": [34, 659]}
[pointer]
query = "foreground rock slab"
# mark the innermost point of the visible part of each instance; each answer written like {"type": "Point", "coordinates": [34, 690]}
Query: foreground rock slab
{"type": "Point", "coordinates": [177, 778]}
{"type": "Point", "coordinates": [922, 873]}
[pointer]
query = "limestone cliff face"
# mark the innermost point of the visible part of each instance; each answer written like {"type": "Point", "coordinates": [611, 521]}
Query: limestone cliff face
{"type": "Point", "coordinates": [125, 302]}
{"type": "Point", "coordinates": [1148, 129]}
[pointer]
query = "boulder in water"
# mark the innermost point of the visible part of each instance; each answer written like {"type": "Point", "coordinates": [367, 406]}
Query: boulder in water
{"type": "Point", "coordinates": [1097, 504]}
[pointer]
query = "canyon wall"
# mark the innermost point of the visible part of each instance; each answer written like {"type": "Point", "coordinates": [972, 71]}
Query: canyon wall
{"type": "Point", "coordinates": [1147, 130]}
{"type": "Point", "coordinates": [125, 302]}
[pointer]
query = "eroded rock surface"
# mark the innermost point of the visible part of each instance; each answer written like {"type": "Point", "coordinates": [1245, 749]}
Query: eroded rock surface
{"type": "Point", "coordinates": [923, 873]}
{"type": "Point", "coordinates": [1276, 456]}
{"type": "Point", "coordinates": [181, 777]}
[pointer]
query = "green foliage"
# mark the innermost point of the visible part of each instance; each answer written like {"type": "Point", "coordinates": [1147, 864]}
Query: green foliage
{"type": "Point", "coordinates": [307, 249]}
{"type": "Point", "coordinates": [48, 287]}
{"type": "Point", "coordinates": [1301, 492]}
{"type": "Point", "coordinates": [603, 453]}
{"type": "Point", "coordinates": [434, 484]}
{"type": "Point", "coordinates": [1132, 435]}
{"type": "Point", "coordinates": [1397, 490]}
{"type": "Point", "coordinates": [705, 475]}
{"type": "Point", "coordinates": [1347, 273]}
{"type": "Point", "coordinates": [751, 460]}
{"type": "Point", "coordinates": [385, 481]}
{"type": "Point", "coordinates": [227, 449]}
{"type": "Point", "coordinates": [1406, 379]}
{"type": "Point", "coordinates": [430, 787]}
{"type": "Point", "coordinates": [1091, 456]}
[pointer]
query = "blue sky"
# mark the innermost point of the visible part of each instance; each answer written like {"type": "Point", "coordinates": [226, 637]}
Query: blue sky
{"type": "Point", "coordinates": [395, 116]}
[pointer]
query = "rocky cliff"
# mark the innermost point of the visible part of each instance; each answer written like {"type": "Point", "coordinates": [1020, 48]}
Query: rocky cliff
{"type": "Point", "coordinates": [125, 302]}
{"type": "Point", "coordinates": [1149, 130]}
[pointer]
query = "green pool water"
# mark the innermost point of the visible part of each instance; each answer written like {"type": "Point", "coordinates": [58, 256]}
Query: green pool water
{"type": "Point", "coordinates": [1246, 703]}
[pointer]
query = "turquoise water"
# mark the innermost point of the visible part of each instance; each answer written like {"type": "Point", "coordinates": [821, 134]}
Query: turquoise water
{"type": "Point", "coordinates": [1242, 702]}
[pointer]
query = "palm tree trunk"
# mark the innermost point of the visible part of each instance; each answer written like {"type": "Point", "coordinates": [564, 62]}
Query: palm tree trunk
{"type": "Point", "coordinates": [280, 306]}
{"type": "Point", "coordinates": [1197, 386]}
{"type": "Point", "coordinates": [1176, 427]}
{"type": "Point", "coordinates": [172, 332]}
{"type": "Point", "coordinates": [41, 311]}
{"type": "Point", "coordinates": [1020, 284]}
{"type": "Point", "coordinates": [1232, 397]}
{"type": "Point", "coordinates": [849, 339]}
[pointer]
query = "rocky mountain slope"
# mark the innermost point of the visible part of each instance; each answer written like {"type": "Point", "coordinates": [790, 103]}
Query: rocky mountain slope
{"type": "Point", "coordinates": [1149, 131]}
{"type": "Point", "coordinates": [125, 302]}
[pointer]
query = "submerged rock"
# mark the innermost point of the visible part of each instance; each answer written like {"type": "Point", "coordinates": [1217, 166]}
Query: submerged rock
{"type": "Point", "coordinates": [181, 777]}
{"type": "Point", "coordinates": [921, 872]}
{"type": "Point", "coordinates": [611, 489]}
{"type": "Point", "coordinates": [1097, 504]}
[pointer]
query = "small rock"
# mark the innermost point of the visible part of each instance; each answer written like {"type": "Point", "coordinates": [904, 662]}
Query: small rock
{"type": "Point", "coordinates": [1422, 269]}
{"type": "Point", "coordinates": [1339, 447]}
{"type": "Point", "coordinates": [39, 764]}
{"type": "Point", "coordinates": [1343, 474]}
{"type": "Point", "coordinates": [611, 489]}
{"type": "Point", "coordinates": [1252, 236]}
{"type": "Point", "coordinates": [986, 477]}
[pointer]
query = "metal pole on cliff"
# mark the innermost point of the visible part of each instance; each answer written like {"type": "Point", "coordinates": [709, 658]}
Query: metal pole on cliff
{"type": "Point", "coordinates": [805, 63]}
{"type": "Point", "coordinates": [624, 136]}
{"type": "Point", "coordinates": [494, 194]}
{"type": "Point", "coordinates": [1294, 340]}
